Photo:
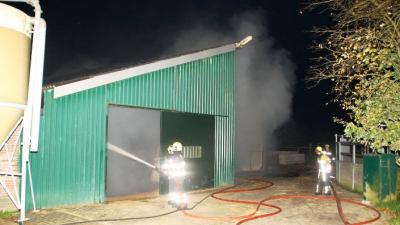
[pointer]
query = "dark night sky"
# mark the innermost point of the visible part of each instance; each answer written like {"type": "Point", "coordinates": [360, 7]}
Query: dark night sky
{"type": "Point", "coordinates": [87, 36]}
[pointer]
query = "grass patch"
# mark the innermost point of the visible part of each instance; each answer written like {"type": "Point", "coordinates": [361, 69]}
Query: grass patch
{"type": "Point", "coordinates": [394, 208]}
{"type": "Point", "coordinates": [7, 214]}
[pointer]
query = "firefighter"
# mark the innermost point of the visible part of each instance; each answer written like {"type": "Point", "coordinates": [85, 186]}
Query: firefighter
{"type": "Point", "coordinates": [174, 168]}
{"type": "Point", "coordinates": [324, 170]}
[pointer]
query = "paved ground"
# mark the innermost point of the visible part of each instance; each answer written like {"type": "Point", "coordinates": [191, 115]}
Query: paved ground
{"type": "Point", "coordinates": [295, 211]}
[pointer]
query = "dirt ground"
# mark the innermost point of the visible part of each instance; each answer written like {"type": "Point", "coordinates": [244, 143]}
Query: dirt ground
{"type": "Point", "coordinates": [294, 211]}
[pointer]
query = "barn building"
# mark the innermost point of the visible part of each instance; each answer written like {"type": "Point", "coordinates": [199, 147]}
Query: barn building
{"type": "Point", "coordinates": [142, 109]}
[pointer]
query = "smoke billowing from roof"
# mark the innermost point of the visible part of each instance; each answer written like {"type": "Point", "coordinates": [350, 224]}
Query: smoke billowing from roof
{"type": "Point", "coordinates": [265, 80]}
{"type": "Point", "coordinates": [264, 92]}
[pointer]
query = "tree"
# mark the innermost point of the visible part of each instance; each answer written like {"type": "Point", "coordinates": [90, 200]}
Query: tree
{"type": "Point", "coordinates": [360, 56]}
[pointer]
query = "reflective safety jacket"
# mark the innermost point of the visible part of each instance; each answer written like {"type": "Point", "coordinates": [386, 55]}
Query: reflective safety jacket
{"type": "Point", "coordinates": [174, 166]}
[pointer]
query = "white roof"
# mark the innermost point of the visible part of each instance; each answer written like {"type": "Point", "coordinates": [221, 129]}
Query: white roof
{"type": "Point", "coordinates": [111, 77]}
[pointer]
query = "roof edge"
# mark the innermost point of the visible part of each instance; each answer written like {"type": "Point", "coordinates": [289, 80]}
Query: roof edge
{"type": "Point", "coordinates": [111, 77]}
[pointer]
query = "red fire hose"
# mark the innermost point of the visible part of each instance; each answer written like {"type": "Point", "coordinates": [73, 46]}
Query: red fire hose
{"type": "Point", "coordinates": [263, 184]}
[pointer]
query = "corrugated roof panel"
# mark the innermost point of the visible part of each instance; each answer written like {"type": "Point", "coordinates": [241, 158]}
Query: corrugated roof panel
{"type": "Point", "coordinates": [108, 78]}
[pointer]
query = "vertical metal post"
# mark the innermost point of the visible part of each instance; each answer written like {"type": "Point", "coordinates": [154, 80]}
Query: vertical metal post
{"type": "Point", "coordinates": [340, 148]}
{"type": "Point", "coordinates": [337, 172]}
{"type": "Point", "coordinates": [25, 159]}
{"type": "Point", "coordinates": [353, 154]}
{"type": "Point", "coordinates": [353, 177]}
{"type": "Point", "coordinates": [339, 158]}
{"type": "Point", "coordinates": [31, 185]}
{"type": "Point", "coordinates": [336, 145]}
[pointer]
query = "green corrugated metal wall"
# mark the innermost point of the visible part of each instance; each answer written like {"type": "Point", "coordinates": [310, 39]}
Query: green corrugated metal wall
{"type": "Point", "coordinates": [70, 165]}
{"type": "Point", "coordinates": [379, 177]}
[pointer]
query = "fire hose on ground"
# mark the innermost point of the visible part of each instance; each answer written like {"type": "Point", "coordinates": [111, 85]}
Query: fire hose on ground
{"type": "Point", "coordinates": [255, 214]}
{"type": "Point", "coordinates": [263, 203]}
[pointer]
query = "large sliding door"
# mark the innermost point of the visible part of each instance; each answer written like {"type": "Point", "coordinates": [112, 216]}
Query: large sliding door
{"type": "Point", "coordinates": [136, 131]}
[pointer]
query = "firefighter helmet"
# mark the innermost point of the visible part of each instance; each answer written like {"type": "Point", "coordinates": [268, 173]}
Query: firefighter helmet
{"type": "Point", "coordinates": [318, 150]}
{"type": "Point", "coordinates": [175, 147]}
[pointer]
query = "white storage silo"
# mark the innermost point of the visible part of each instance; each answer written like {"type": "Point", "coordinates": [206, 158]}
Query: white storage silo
{"type": "Point", "coordinates": [15, 50]}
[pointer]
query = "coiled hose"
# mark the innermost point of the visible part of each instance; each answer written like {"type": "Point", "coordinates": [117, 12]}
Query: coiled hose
{"type": "Point", "coordinates": [266, 184]}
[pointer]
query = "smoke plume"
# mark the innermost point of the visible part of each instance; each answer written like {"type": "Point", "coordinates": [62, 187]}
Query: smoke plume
{"type": "Point", "coordinates": [265, 80]}
{"type": "Point", "coordinates": [73, 68]}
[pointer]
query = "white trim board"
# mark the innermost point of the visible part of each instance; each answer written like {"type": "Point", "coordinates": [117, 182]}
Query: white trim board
{"type": "Point", "coordinates": [112, 77]}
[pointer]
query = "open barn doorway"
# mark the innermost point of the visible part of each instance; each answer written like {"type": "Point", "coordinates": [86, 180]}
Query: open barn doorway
{"type": "Point", "coordinates": [136, 131]}
{"type": "Point", "coordinates": [196, 133]}
{"type": "Point", "coordinates": [146, 134]}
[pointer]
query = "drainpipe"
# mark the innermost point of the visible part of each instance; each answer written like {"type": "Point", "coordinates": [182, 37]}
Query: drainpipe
{"type": "Point", "coordinates": [39, 39]}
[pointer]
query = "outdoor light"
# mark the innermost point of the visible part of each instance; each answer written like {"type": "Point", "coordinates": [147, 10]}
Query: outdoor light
{"type": "Point", "coordinates": [243, 42]}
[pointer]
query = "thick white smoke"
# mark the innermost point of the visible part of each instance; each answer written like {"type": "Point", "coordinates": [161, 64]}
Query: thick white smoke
{"type": "Point", "coordinates": [265, 80]}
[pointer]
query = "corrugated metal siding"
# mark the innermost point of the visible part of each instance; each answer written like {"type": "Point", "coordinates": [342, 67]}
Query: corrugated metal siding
{"type": "Point", "coordinates": [152, 90]}
{"type": "Point", "coordinates": [70, 165]}
{"type": "Point", "coordinates": [224, 150]}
